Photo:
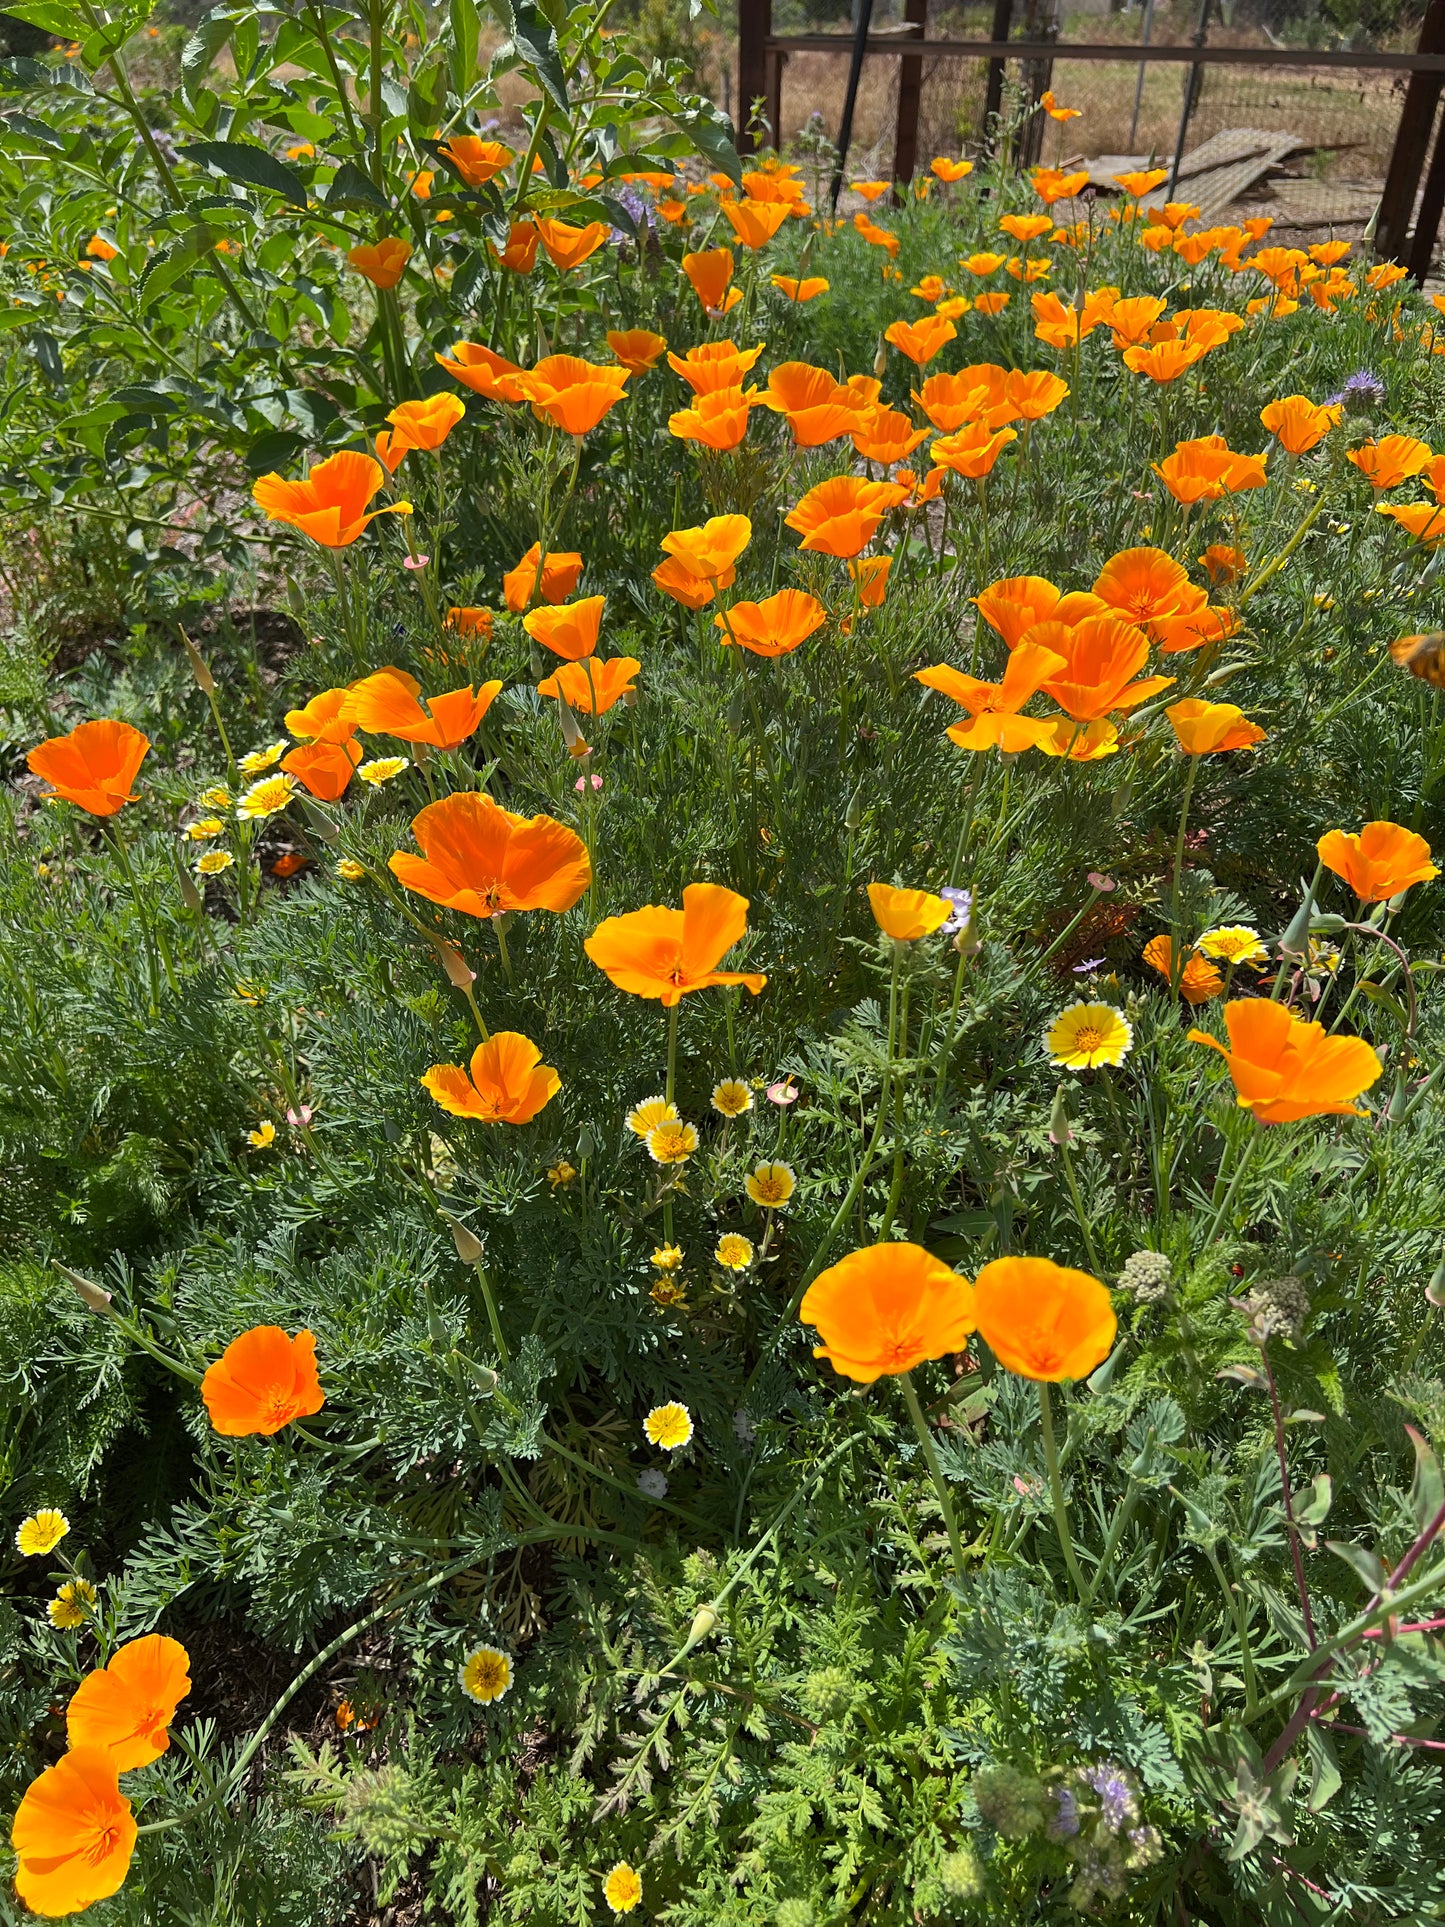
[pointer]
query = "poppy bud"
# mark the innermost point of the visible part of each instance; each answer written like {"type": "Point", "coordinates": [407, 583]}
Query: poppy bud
{"type": "Point", "coordinates": [1399, 1098]}
{"type": "Point", "coordinates": [455, 965]}
{"type": "Point", "coordinates": [853, 817]}
{"type": "Point", "coordinates": [469, 1246]}
{"type": "Point", "coordinates": [1297, 935]}
{"type": "Point", "coordinates": [880, 360]}
{"type": "Point", "coordinates": [436, 1328]}
{"type": "Point", "coordinates": [1059, 1132]}
{"type": "Point", "coordinates": [705, 1622]}
{"type": "Point", "coordinates": [571, 734]}
{"type": "Point", "coordinates": [586, 1143]}
{"type": "Point", "coordinates": [321, 824]}
{"type": "Point", "coordinates": [97, 1300]}
{"type": "Point", "coordinates": [190, 895]}
{"type": "Point", "coordinates": [484, 1378]}
{"type": "Point", "coordinates": [737, 704]}
{"type": "Point", "coordinates": [199, 670]}
{"type": "Point", "coordinates": [1435, 1290]}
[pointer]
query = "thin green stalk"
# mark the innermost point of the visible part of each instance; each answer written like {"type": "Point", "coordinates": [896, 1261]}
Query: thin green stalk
{"type": "Point", "coordinates": [1242, 1164]}
{"type": "Point", "coordinates": [1176, 960]}
{"type": "Point", "coordinates": [1056, 1492]}
{"type": "Point", "coordinates": [935, 1471]}
{"type": "Point", "coordinates": [1079, 1212]}
{"type": "Point", "coordinates": [147, 940]}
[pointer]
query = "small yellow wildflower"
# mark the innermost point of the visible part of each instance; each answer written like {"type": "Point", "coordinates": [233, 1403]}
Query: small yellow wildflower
{"type": "Point", "coordinates": [732, 1097]}
{"type": "Point", "coordinates": [667, 1290]}
{"type": "Point", "coordinates": [667, 1257]}
{"type": "Point", "coordinates": [560, 1175]}
{"type": "Point", "coordinates": [248, 992]}
{"type": "Point", "coordinates": [672, 1143]}
{"type": "Point", "coordinates": [734, 1252]}
{"type": "Point", "coordinates": [213, 862]}
{"type": "Point", "coordinates": [485, 1675]}
{"type": "Point", "coordinates": [42, 1532]}
{"type": "Point", "coordinates": [1234, 943]}
{"type": "Point", "coordinates": [381, 769]}
{"type": "Point", "coordinates": [771, 1185]}
{"type": "Point", "coordinates": [203, 827]}
{"type": "Point", "coordinates": [263, 1136]}
{"type": "Point", "coordinates": [217, 797]}
{"type": "Point", "coordinates": [669, 1426]}
{"type": "Point", "coordinates": [257, 760]}
{"type": "Point", "coordinates": [265, 798]}
{"type": "Point", "coordinates": [651, 1112]}
{"type": "Point", "coordinates": [622, 1889]}
{"type": "Point", "coordinates": [349, 870]}
{"type": "Point", "coordinates": [72, 1605]}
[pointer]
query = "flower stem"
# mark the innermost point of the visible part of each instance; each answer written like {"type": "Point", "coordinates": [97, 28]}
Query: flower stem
{"type": "Point", "coordinates": [1056, 1492]}
{"type": "Point", "coordinates": [935, 1471]}
{"type": "Point", "coordinates": [1079, 1211]}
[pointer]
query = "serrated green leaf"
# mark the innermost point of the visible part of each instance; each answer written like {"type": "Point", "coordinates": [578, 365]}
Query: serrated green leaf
{"type": "Point", "coordinates": [535, 38]}
{"type": "Point", "coordinates": [351, 187]}
{"type": "Point", "coordinates": [249, 165]}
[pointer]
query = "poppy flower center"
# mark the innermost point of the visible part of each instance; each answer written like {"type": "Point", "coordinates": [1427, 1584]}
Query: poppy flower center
{"type": "Point", "coordinates": [280, 1409]}
{"type": "Point", "coordinates": [102, 1846]}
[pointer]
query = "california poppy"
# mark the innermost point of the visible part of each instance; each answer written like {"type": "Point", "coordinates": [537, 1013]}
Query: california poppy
{"type": "Point", "coordinates": [974, 394]}
{"type": "Point", "coordinates": [907, 915]}
{"type": "Point", "coordinates": [1379, 863]}
{"type": "Point", "coordinates": [871, 577]}
{"type": "Point", "coordinates": [817, 408]}
{"type": "Point", "coordinates": [126, 1705]}
{"type": "Point", "coordinates": [592, 686]}
{"type": "Point", "coordinates": [1142, 584]}
{"type": "Point", "coordinates": [485, 372]}
{"type": "Point", "coordinates": [1199, 980]}
{"type": "Point", "coordinates": [262, 1381]}
{"type": "Point", "coordinates": [871, 190]}
{"type": "Point", "coordinates": [1387, 463]}
{"type": "Point", "coordinates": [569, 629]}
{"type": "Point", "coordinates": [1077, 742]}
{"type": "Point", "coordinates": [709, 274]}
{"type": "Point", "coordinates": [509, 1083]}
{"type": "Point", "coordinates": [560, 574]}
{"type": "Point", "coordinates": [324, 769]}
{"type": "Point", "coordinates": [1298, 424]}
{"type": "Point", "coordinates": [949, 170]}
{"type": "Point", "coordinates": [1102, 655]}
{"type": "Point", "coordinates": [885, 435]}
{"type": "Point", "coordinates": [519, 256]}
{"type": "Point", "coordinates": [1284, 1068]}
{"type": "Point", "coordinates": [1132, 318]}
{"type": "Point", "coordinates": [692, 591]}
{"type": "Point", "coordinates": [842, 515]}
{"type": "Point", "coordinates": [1051, 185]}
{"type": "Point", "coordinates": [383, 263]}
{"type": "Point", "coordinates": [476, 160]}
{"type": "Point", "coordinates": [481, 859]}
{"type": "Point", "coordinates": [807, 289]}
{"type": "Point", "coordinates": [569, 246]}
{"type": "Point", "coordinates": [755, 222]}
{"type": "Point", "coordinates": [994, 707]}
{"type": "Point", "coordinates": [322, 719]}
{"type": "Point", "coordinates": [475, 623]}
{"type": "Point", "coordinates": [973, 451]}
{"type": "Point", "coordinates": [710, 550]}
{"type": "Point", "coordinates": [92, 767]}
{"type": "Point", "coordinates": [389, 704]}
{"type": "Point", "coordinates": [1204, 727]}
{"type": "Point", "coordinates": [1032, 396]}
{"type": "Point", "coordinates": [774, 626]}
{"type": "Point", "coordinates": [425, 424]}
{"type": "Point", "coordinates": [1166, 361]}
{"type": "Point", "coordinates": [638, 349]}
{"type": "Point", "coordinates": [1015, 604]}
{"type": "Point", "coordinates": [1043, 1321]}
{"type": "Point", "coordinates": [1422, 520]}
{"type": "Point", "coordinates": [920, 340]}
{"type": "Point", "coordinates": [662, 953]}
{"type": "Point", "coordinates": [875, 236]}
{"type": "Point", "coordinates": [1192, 624]}
{"type": "Point", "coordinates": [1223, 564]}
{"type": "Point", "coordinates": [714, 365]}
{"type": "Point", "coordinates": [882, 1310]}
{"type": "Point", "coordinates": [717, 420]}
{"type": "Point", "coordinates": [572, 394]}
{"type": "Point", "coordinates": [1024, 228]}
{"type": "Point", "coordinates": [331, 504]}
{"type": "Point", "coordinates": [1207, 468]}
{"type": "Point", "coordinates": [73, 1834]}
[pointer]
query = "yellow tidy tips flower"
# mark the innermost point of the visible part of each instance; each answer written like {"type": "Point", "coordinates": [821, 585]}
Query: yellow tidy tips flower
{"type": "Point", "coordinates": [263, 1136]}
{"type": "Point", "coordinates": [381, 769]}
{"type": "Point", "coordinates": [1235, 943]}
{"type": "Point", "coordinates": [262, 759]}
{"type": "Point", "coordinates": [72, 1605]}
{"type": "Point", "coordinates": [771, 1185]}
{"type": "Point", "coordinates": [667, 1257]}
{"type": "Point", "coordinates": [217, 797]}
{"type": "Point", "coordinates": [205, 826]}
{"type": "Point", "coordinates": [349, 870]}
{"type": "Point", "coordinates": [1084, 1036]}
{"type": "Point", "coordinates": [622, 1889]}
{"type": "Point", "coordinates": [485, 1675]}
{"type": "Point", "coordinates": [652, 1111]}
{"type": "Point", "coordinates": [668, 1426]}
{"type": "Point", "coordinates": [667, 1290]}
{"type": "Point", "coordinates": [732, 1097]}
{"type": "Point", "coordinates": [267, 797]}
{"type": "Point", "coordinates": [213, 862]}
{"type": "Point", "coordinates": [42, 1532]}
{"type": "Point", "coordinates": [671, 1143]}
{"type": "Point", "coordinates": [560, 1175]}
{"type": "Point", "coordinates": [734, 1252]}
{"type": "Point", "coordinates": [248, 992]}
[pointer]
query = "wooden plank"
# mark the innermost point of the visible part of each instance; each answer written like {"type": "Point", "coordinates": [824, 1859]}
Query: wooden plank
{"type": "Point", "coordinates": [993, 93]}
{"type": "Point", "coordinates": [1412, 143]}
{"type": "Point", "coordinates": [1427, 220]}
{"type": "Point", "coordinates": [755, 26]}
{"type": "Point", "coordinates": [910, 91]}
{"type": "Point", "coordinates": [1127, 54]}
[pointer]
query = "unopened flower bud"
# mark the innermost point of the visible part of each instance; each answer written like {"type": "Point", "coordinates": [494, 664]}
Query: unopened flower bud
{"type": "Point", "coordinates": [705, 1622]}
{"type": "Point", "coordinates": [1435, 1290]}
{"type": "Point", "coordinates": [853, 816]}
{"type": "Point", "coordinates": [469, 1246]}
{"type": "Point", "coordinates": [202, 674]}
{"type": "Point", "coordinates": [571, 734]}
{"type": "Point", "coordinates": [94, 1297]}
{"type": "Point", "coordinates": [483, 1377]}
{"type": "Point", "coordinates": [1059, 1132]}
{"type": "Point", "coordinates": [880, 360]}
{"type": "Point", "coordinates": [455, 965]}
{"type": "Point", "coordinates": [320, 823]}
{"type": "Point", "coordinates": [190, 895]}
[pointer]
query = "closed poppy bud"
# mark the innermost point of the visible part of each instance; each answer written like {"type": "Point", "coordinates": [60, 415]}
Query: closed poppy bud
{"type": "Point", "coordinates": [1059, 1132]}
{"type": "Point", "coordinates": [97, 1300]}
{"type": "Point", "coordinates": [705, 1622]}
{"type": "Point", "coordinates": [483, 1377]}
{"type": "Point", "coordinates": [455, 965]}
{"type": "Point", "coordinates": [202, 674]}
{"type": "Point", "coordinates": [469, 1247]}
{"type": "Point", "coordinates": [880, 360]}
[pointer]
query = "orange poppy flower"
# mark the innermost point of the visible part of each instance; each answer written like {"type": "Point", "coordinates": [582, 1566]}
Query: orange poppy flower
{"type": "Point", "coordinates": [330, 505]}
{"type": "Point", "coordinates": [1060, 326]}
{"type": "Point", "coordinates": [509, 1083]}
{"type": "Point", "coordinates": [570, 393]}
{"type": "Point", "coordinates": [1284, 1068]}
{"type": "Point", "coordinates": [391, 451]}
{"type": "Point", "coordinates": [1143, 182]}
{"type": "Point", "coordinates": [1385, 464]}
{"type": "Point", "coordinates": [323, 719]}
{"type": "Point", "coordinates": [1208, 326]}
{"type": "Point", "coordinates": [1205, 469]}
{"type": "Point", "coordinates": [886, 435]}
{"type": "Point", "coordinates": [817, 408]}
{"type": "Point", "coordinates": [1078, 742]}
{"type": "Point", "coordinates": [982, 264]}
{"type": "Point", "coordinates": [875, 236]}
{"type": "Point", "coordinates": [1102, 655]}
{"type": "Point", "coordinates": [871, 190]}
{"type": "Point", "coordinates": [1142, 584]}
{"type": "Point", "coordinates": [718, 420]}
{"type": "Point", "coordinates": [1192, 624]}
{"type": "Point", "coordinates": [994, 707]}
{"type": "Point", "coordinates": [568, 629]}
{"type": "Point", "coordinates": [882, 1310]}
{"type": "Point", "coordinates": [126, 1706]}
{"type": "Point", "coordinates": [871, 576]}
{"type": "Point", "coordinates": [471, 622]}
{"type": "Point", "coordinates": [323, 769]}
{"type": "Point", "coordinates": [92, 767]}
{"type": "Point", "coordinates": [1223, 564]}
{"type": "Point", "coordinates": [710, 273]}
{"type": "Point", "coordinates": [1132, 318]}
{"type": "Point", "coordinates": [1199, 980]}
{"type": "Point", "coordinates": [1166, 361]}
{"type": "Point", "coordinates": [1043, 1321]}
{"type": "Point", "coordinates": [1204, 727]}
{"type": "Point", "coordinates": [842, 515]}
{"type": "Point", "coordinates": [947, 170]}
{"type": "Point", "coordinates": [1423, 520]}
{"type": "Point", "coordinates": [388, 704]}
{"type": "Point", "coordinates": [714, 365]}
{"type": "Point", "coordinates": [592, 686]}
{"type": "Point", "coordinates": [993, 302]}
{"type": "Point", "coordinates": [476, 160]}
{"type": "Point", "coordinates": [73, 1835]}
{"type": "Point", "coordinates": [766, 185]}
{"type": "Point", "coordinates": [1032, 268]}
{"type": "Point", "coordinates": [907, 915]}
{"type": "Point", "coordinates": [1015, 604]}
{"type": "Point", "coordinates": [384, 263]}
{"type": "Point", "coordinates": [262, 1381]}
{"type": "Point", "coordinates": [519, 256]}
{"type": "Point", "coordinates": [978, 393]}
{"type": "Point", "coordinates": [425, 424]}
{"type": "Point", "coordinates": [921, 340]}
{"type": "Point", "coordinates": [692, 591]}
{"type": "Point", "coordinates": [808, 289]}
{"type": "Point", "coordinates": [1379, 863]}
{"type": "Point", "coordinates": [480, 859]}
{"type": "Point", "coordinates": [1051, 185]}
{"type": "Point", "coordinates": [568, 246]}
{"type": "Point", "coordinates": [663, 954]}
{"type": "Point", "coordinates": [636, 348]}
{"type": "Point", "coordinates": [973, 450]}
{"type": "Point", "coordinates": [775, 626]}
{"type": "Point", "coordinates": [487, 374]}
{"type": "Point", "coordinates": [560, 574]}
{"type": "Point", "coordinates": [1035, 395]}
{"type": "Point", "coordinates": [755, 222]}
{"type": "Point", "coordinates": [710, 550]}
{"type": "Point", "coordinates": [1024, 228]}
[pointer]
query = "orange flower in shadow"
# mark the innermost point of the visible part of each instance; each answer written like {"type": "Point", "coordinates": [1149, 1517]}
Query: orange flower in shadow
{"type": "Point", "coordinates": [1199, 980]}
{"type": "Point", "coordinates": [662, 953]}
{"type": "Point", "coordinates": [323, 719]}
{"type": "Point", "coordinates": [388, 704]}
{"type": "Point", "coordinates": [775, 626]}
{"type": "Point", "coordinates": [261, 1382]}
{"type": "Point", "coordinates": [842, 515]}
{"type": "Point", "coordinates": [808, 289]}
{"type": "Point", "coordinates": [487, 374]}
{"type": "Point", "coordinates": [1078, 742]}
{"type": "Point", "coordinates": [1379, 863]}
{"type": "Point", "coordinates": [572, 394]}
{"type": "Point", "coordinates": [882, 1310]}
{"type": "Point", "coordinates": [1203, 727]}
{"type": "Point", "coordinates": [73, 1835]}
{"type": "Point", "coordinates": [692, 591]}
{"type": "Point", "coordinates": [1015, 604]}
{"type": "Point", "coordinates": [592, 687]}
{"type": "Point", "coordinates": [886, 435]}
{"type": "Point", "coordinates": [973, 451]}
{"type": "Point", "coordinates": [569, 629]}
{"type": "Point", "coordinates": [871, 576]}
{"type": "Point", "coordinates": [1043, 1321]}
{"type": "Point", "coordinates": [1284, 1068]}
{"type": "Point", "coordinates": [479, 859]}
{"type": "Point", "coordinates": [126, 1706]}
{"type": "Point", "coordinates": [323, 769]}
{"type": "Point", "coordinates": [560, 575]}
{"type": "Point", "coordinates": [331, 504]}
{"type": "Point", "coordinates": [509, 1083]}
{"type": "Point", "coordinates": [519, 256]}
{"type": "Point", "coordinates": [92, 767]}
{"type": "Point", "coordinates": [1166, 361]}
{"type": "Point", "coordinates": [383, 263]}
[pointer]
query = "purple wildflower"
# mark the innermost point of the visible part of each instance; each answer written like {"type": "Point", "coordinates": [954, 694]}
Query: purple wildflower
{"type": "Point", "coordinates": [962, 908]}
{"type": "Point", "coordinates": [1362, 392]}
{"type": "Point", "coordinates": [1116, 1794]}
{"type": "Point", "coordinates": [1088, 966]}
{"type": "Point", "coordinates": [1065, 1822]}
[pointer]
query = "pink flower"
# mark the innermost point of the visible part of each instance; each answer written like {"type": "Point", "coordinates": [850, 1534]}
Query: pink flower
{"type": "Point", "coordinates": [783, 1092]}
{"type": "Point", "coordinates": [581, 783]}
{"type": "Point", "coordinates": [1097, 881]}
{"type": "Point", "coordinates": [298, 1119]}
{"type": "Point", "coordinates": [415, 561]}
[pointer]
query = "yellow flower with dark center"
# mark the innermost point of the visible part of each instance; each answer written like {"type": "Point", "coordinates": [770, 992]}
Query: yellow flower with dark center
{"type": "Point", "coordinates": [734, 1252]}
{"type": "Point", "coordinates": [622, 1889]}
{"type": "Point", "coordinates": [42, 1532]}
{"type": "Point", "coordinates": [268, 796]}
{"type": "Point", "coordinates": [1234, 943]}
{"type": "Point", "coordinates": [668, 1291]}
{"type": "Point", "coordinates": [381, 769]}
{"type": "Point", "coordinates": [645, 1117]}
{"type": "Point", "coordinates": [671, 1143]}
{"type": "Point", "coordinates": [72, 1605]}
{"type": "Point", "coordinates": [1083, 1036]}
{"type": "Point", "coordinates": [771, 1185]}
{"type": "Point", "coordinates": [732, 1097]}
{"type": "Point", "coordinates": [668, 1426]}
{"type": "Point", "coordinates": [217, 797]}
{"type": "Point", "coordinates": [485, 1675]}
